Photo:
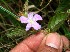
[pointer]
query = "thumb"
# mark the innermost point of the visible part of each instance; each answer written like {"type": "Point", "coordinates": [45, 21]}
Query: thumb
{"type": "Point", "coordinates": [50, 43]}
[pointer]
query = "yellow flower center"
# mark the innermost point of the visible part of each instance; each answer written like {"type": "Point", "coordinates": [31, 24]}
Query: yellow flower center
{"type": "Point", "coordinates": [31, 21]}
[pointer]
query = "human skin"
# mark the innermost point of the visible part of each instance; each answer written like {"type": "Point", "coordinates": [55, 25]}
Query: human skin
{"type": "Point", "coordinates": [40, 43]}
{"type": "Point", "coordinates": [65, 42]}
{"type": "Point", "coordinates": [30, 44]}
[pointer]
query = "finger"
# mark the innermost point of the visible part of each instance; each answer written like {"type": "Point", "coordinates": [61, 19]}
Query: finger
{"type": "Point", "coordinates": [67, 51]}
{"type": "Point", "coordinates": [30, 44]}
{"type": "Point", "coordinates": [50, 43]}
{"type": "Point", "coordinates": [34, 42]}
{"type": "Point", "coordinates": [61, 46]}
{"type": "Point", "coordinates": [53, 40]}
{"type": "Point", "coordinates": [65, 42]}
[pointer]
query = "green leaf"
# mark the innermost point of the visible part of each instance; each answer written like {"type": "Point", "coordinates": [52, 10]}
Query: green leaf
{"type": "Point", "coordinates": [16, 32]}
{"type": "Point", "coordinates": [60, 16]}
{"type": "Point", "coordinates": [63, 6]}
{"type": "Point", "coordinates": [6, 12]}
{"type": "Point", "coordinates": [9, 15]}
{"type": "Point", "coordinates": [5, 3]}
{"type": "Point", "coordinates": [66, 31]}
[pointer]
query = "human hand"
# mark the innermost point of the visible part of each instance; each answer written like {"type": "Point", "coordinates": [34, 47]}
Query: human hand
{"type": "Point", "coordinates": [40, 43]}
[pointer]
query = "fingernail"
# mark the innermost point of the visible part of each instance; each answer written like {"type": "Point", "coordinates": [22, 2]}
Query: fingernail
{"type": "Point", "coordinates": [53, 40]}
{"type": "Point", "coordinates": [52, 45]}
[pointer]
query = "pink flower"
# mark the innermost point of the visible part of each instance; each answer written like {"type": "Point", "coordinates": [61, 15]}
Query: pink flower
{"type": "Point", "coordinates": [31, 21]}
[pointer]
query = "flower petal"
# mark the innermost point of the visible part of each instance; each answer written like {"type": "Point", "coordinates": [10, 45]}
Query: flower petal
{"type": "Point", "coordinates": [30, 15]}
{"type": "Point", "coordinates": [23, 19]}
{"type": "Point", "coordinates": [28, 26]}
{"type": "Point", "coordinates": [37, 17]}
{"type": "Point", "coordinates": [36, 26]}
